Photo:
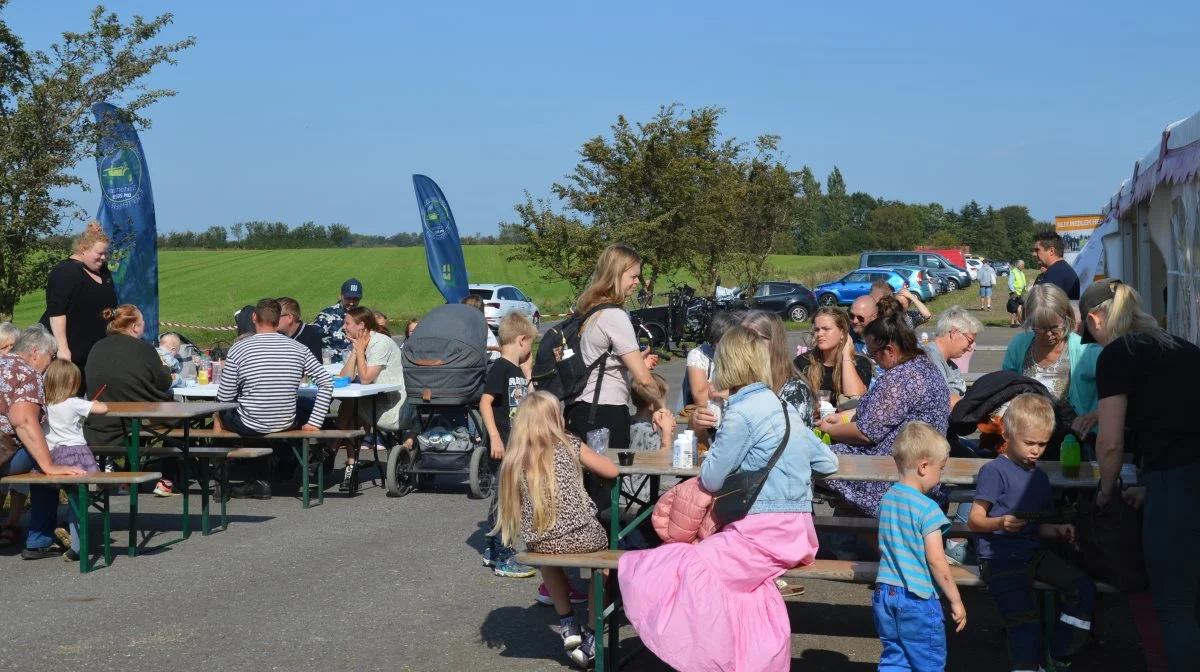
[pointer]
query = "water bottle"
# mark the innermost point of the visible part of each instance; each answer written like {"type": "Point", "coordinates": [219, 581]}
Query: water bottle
{"type": "Point", "coordinates": [677, 451]}
{"type": "Point", "coordinates": [1069, 456]}
{"type": "Point", "coordinates": [692, 448]}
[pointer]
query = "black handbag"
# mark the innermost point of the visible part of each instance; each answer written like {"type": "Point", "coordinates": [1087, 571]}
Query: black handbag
{"type": "Point", "coordinates": [1110, 543]}
{"type": "Point", "coordinates": [733, 501]}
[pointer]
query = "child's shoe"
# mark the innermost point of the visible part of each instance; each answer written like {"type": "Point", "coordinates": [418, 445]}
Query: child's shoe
{"type": "Point", "coordinates": [510, 568]}
{"type": "Point", "coordinates": [164, 488]}
{"type": "Point", "coordinates": [571, 635]}
{"type": "Point", "coordinates": [576, 597]}
{"type": "Point", "coordinates": [585, 654]}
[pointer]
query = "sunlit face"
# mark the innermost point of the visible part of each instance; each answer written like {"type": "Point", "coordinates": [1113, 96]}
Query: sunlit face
{"type": "Point", "coordinates": [930, 474]}
{"type": "Point", "coordinates": [287, 323]}
{"type": "Point", "coordinates": [353, 327]}
{"type": "Point", "coordinates": [1027, 445]}
{"type": "Point", "coordinates": [960, 343]}
{"type": "Point", "coordinates": [826, 335]}
{"type": "Point", "coordinates": [631, 279]}
{"type": "Point", "coordinates": [349, 302]}
{"type": "Point", "coordinates": [6, 346]}
{"type": "Point", "coordinates": [861, 315]}
{"type": "Point", "coordinates": [1043, 254]}
{"type": "Point", "coordinates": [40, 361]}
{"type": "Point", "coordinates": [1051, 335]}
{"type": "Point", "coordinates": [94, 257]}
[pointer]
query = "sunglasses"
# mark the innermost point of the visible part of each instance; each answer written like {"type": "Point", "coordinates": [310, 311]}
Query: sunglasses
{"type": "Point", "coordinates": [857, 318]}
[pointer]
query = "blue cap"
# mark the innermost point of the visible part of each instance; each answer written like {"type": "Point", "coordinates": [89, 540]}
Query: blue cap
{"type": "Point", "coordinates": [352, 289]}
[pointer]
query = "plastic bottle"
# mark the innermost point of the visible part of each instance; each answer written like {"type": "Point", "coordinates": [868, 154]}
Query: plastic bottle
{"type": "Point", "coordinates": [1069, 456]}
{"type": "Point", "coordinates": [677, 451]}
{"type": "Point", "coordinates": [693, 448]}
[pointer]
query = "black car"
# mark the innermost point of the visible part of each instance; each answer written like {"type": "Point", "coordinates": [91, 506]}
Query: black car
{"type": "Point", "coordinates": [792, 300]}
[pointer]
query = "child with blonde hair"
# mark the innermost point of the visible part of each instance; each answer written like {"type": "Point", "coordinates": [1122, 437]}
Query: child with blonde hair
{"type": "Point", "coordinates": [63, 428]}
{"type": "Point", "coordinates": [542, 499]}
{"type": "Point", "coordinates": [906, 609]}
{"type": "Point", "coordinates": [651, 429]}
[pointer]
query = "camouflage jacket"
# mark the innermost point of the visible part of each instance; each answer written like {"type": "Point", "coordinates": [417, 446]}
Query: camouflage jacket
{"type": "Point", "coordinates": [329, 322]}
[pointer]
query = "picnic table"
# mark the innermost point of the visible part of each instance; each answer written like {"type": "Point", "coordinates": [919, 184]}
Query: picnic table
{"type": "Point", "coordinates": [170, 413]}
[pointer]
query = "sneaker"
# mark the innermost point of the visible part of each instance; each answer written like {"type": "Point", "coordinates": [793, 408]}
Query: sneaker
{"type": "Point", "coordinates": [164, 488]}
{"type": "Point", "coordinates": [251, 490]}
{"type": "Point", "coordinates": [44, 552]}
{"type": "Point", "coordinates": [956, 552]}
{"type": "Point", "coordinates": [488, 560]}
{"type": "Point", "coordinates": [585, 654]}
{"type": "Point", "coordinates": [509, 567]}
{"type": "Point", "coordinates": [571, 637]}
{"type": "Point", "coordinates": [347, 479]}
{"type": "Point", "coordinates": [63, 536]}
{"type": "Point", "coordinates": [576, 597]}
{"type": "Point", "coordinates": [70, 556]}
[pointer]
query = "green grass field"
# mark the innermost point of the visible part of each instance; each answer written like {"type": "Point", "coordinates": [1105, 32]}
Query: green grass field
{"type": "Point", "coordinates": [206, 287]}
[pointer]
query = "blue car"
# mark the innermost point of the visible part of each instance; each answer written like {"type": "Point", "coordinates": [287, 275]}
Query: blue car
{"type": "Point", "coordinates": [855, 284]}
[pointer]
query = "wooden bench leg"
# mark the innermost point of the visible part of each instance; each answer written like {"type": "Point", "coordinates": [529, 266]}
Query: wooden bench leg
{"type": "Point", "coordinates": [204, 526]}
{"type": "Point", "coordinates": [78, 501]}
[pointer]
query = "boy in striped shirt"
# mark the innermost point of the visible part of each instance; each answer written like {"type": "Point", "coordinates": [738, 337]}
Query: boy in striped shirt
{"type": "Point", "coordinates": [908, 614]}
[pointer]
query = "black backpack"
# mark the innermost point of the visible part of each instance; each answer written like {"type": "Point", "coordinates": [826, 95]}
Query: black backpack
{"type": "Point", "coordinates": [558, 366]}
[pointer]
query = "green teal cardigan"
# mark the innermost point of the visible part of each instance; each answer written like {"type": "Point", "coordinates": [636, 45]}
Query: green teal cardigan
{"type": "Point", "coordinates": [1082, 395]}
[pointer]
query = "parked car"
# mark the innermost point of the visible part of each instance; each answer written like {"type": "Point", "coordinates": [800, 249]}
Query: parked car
{"type": "Point", "coordinates": [973, 268]}
{"type": "Point", "coordinates": [791, 300]}
{"type": "Point", "coordinates": [927, 260]}
{"type": "Point", "coordinates": [1002, 267]}
{"type": "Point", "coordinates": [500, 300]}
{"type": "Point", "coordinates": [855, 284]}
{"type": "Point", "coordinates": [919, 282]}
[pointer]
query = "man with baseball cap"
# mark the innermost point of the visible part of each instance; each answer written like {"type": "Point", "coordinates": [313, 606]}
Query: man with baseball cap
{"type": "Point", "coordinates": [330, 320]}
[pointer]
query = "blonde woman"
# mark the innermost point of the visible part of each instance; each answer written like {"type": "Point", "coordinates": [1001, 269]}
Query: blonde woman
{"type": "Point", "coordinates": [1143, 376]}
{"type": "Point", "coordinates": [1049, 351]}
{"type": "Point", "coordinates": [542, 497]}
{"type": "Point", "coordinates": [78, 292]}
{"type": "Point", "coordinates": [832, 366]}
{"type": "Point", "coordinates": [8, 336]}
{"type": "Point", "coordinates": [686, 603]}
{"type": "Point", "coordinates": [608, 334]}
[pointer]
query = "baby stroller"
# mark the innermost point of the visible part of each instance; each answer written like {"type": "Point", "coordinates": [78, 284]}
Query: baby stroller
{"type": "Point", "coordinates": [445, 364]}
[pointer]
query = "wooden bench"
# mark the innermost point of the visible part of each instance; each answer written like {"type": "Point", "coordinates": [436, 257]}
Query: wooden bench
{"type": "Point", "coordinates": [851, 523]}
{"type": "Point", "coordinates": [303, 454]}
{"type": "Point", "coordinates": [846, 571]}
{"type": "Point", "coordinates": [81, 500]}
{"type": "Point", "coordinates": [204, 456]}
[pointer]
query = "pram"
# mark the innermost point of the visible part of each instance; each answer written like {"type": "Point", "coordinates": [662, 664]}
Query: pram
{"type": "Point", "coordinates": [445, 364]}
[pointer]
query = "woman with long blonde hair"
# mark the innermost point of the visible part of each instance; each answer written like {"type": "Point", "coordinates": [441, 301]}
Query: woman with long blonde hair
{"type": "Point", "coordinates": [831, 365]}
{"type": "Point", "coordinates": [78, 292]}
{"type": "Point", "coordinates": [1142, 377]}
{"type": "Point", "coordinates": [610, 349]}
{"type": "Point", "coordinates": [542, 498]}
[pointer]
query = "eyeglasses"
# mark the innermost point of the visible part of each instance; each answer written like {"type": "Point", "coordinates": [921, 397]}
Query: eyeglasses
{"type": "Point", "coordinates": [969, 338]}
{"type": "Point", "coordinates": [874, 354]}
{"type": "Point", "coordinates": [1052, 331]}
{"type": "Point", "coordinates": [857, 318]}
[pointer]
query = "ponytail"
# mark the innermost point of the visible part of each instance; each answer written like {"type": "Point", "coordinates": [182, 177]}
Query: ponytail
{"type": "Point", "coordinates": [1124, 314]}
{"type": "Point", "coordinates": [121, 319]}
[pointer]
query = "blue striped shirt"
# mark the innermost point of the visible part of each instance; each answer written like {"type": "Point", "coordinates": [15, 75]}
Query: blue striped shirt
{"type": "Point", "coordinates": [906, 517]}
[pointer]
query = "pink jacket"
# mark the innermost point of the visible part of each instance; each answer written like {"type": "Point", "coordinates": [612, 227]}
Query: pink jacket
{"type": "Point", "coordinates": [684, 514]}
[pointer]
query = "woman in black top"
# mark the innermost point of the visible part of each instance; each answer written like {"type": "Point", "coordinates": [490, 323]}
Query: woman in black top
{"type": "Point", "coordinates": [1142, 377]}
{"type": "Point", "coordinates": [78, 292]}
{"type": "Point", "coordinates": [126, 368]}
{"type": "Point", "coordinates": [832, 366]}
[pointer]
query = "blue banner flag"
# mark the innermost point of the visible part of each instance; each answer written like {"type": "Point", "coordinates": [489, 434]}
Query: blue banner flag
{"type": "Point", "coordinates": [443, 250]}
{"type": "Point", "coordinates": [127, 214]}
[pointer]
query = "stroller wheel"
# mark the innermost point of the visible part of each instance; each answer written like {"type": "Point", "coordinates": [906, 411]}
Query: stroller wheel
{"type": "Point", "coordinates": [481, 480]}
{"type": "Point", "coordinates": [400, 479]}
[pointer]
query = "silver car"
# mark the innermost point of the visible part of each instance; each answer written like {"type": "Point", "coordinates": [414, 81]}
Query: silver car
{"type": "Point", "coordinates": [500, 300]}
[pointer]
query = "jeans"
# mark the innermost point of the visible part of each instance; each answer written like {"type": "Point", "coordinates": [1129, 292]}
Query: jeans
{"type": "Point", "coordinates": [911, 628]}
{"type": "Point", "coordinates": [43, 502]}
{"type": "Point", "coordinates": [1171, 543]}
{"type": "Point", "coordinates": [1011, 584]}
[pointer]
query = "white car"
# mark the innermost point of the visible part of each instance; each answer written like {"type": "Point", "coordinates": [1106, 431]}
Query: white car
{"type": "Point", "coordinates": [500, 300]}
{"type": "Point", "coordinates": [973, 268]}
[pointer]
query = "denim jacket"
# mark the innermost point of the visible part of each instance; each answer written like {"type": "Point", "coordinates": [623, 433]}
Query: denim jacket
{"type": "Point", "coordinates": [751, 429]}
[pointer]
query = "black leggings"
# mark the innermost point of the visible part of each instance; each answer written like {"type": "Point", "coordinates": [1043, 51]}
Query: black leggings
{"type": "Point", "coordinates": [614, 418]}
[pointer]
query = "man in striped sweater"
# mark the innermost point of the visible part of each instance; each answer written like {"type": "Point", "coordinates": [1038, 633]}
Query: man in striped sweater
{"type": "Point", "coordinates": [262, 374]}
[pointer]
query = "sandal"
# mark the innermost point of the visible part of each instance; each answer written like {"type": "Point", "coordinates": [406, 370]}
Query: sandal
{"type": "Point", "coordinates": [9, 534]}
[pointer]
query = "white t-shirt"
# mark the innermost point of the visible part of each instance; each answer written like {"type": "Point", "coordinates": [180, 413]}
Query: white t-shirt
{"type": "Point", "coordinates": [64, 422]}
{"type": "Point", "coordinates": [608, 328]}
{"type": "Point", "coordinates": [492, 342]}
{"type": "Point", "coordinates": [383, 351]}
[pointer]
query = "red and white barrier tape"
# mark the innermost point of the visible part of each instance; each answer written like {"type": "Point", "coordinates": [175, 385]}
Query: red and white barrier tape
{"type": "Point", "coordinates": [194, 326]}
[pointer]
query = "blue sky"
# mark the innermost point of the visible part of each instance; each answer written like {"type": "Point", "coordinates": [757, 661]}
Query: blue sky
{"type": "Point", "coordinates": [304, 110]}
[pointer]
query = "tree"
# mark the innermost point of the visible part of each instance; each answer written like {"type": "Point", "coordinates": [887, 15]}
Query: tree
{"type": "Point", "coordinates": [895, 227]}
{"type": "Point", "coordinates": [806, 215]}
{"type": "Point", "coordinates": [562, 247]}
{"type": "Point", "coordinates": [837, 204]}
{"type": "Point", "coordinates": [46, 129]}
{"type": "Point", "coordinates": [767, 196]}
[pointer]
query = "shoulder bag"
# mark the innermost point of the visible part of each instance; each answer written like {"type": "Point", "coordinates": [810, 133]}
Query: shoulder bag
{"type": "Point", "coordinates": [733, 501]}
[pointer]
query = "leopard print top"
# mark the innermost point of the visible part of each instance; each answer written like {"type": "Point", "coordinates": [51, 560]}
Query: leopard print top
{"type": "Point", "coordinates": [576, 528]}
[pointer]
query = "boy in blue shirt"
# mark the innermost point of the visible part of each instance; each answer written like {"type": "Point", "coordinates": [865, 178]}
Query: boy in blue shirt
{"type": "Point", "coordinates": [908, 614]}
{"type": "Point", "coordinates": [1009, 494]}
